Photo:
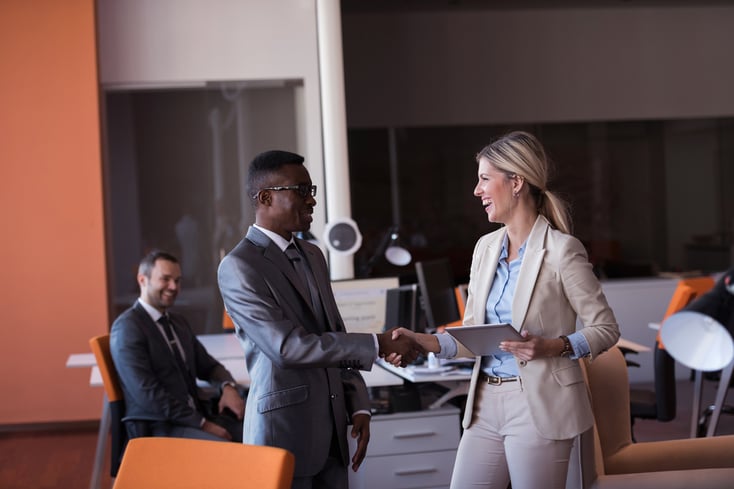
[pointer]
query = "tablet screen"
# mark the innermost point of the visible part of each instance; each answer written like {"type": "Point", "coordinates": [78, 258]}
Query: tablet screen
{"type": "Point", "coordinates": [484, 339]}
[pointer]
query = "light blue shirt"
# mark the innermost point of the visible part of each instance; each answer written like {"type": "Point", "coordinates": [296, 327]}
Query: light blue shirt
{"type": "Point", "coordinates": [499, 310]}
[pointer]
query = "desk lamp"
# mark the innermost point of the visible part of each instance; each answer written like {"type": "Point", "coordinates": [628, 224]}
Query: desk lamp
{"type": "Point", "coordinates": [390, 248]}
{"type": "Point", "coordinates": [701, 343]}
{"type": "Point", "coordinates": [697, 341]}
{"type": "Point", "coordinates": [396, 254]}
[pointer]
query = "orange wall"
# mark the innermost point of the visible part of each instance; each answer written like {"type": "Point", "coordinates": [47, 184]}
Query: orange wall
{"type": "Point", "coordinates": [52, 284]}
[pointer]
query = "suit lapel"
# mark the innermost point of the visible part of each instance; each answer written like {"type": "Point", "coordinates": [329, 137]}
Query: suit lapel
{"type": "Point", "coordinates": [275, 255]}
{"type": "Point", "coordinates": [531, 263]}
{"type": "Point", "coordinates": [323, 285]}
{"type": "Point", "coordinates": [487, 268]}
{"type": "Point", "coordinates": [154, 333]}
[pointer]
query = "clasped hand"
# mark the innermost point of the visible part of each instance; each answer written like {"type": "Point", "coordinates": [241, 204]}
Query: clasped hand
{"type": "Point", "coordinates": [399, 350]}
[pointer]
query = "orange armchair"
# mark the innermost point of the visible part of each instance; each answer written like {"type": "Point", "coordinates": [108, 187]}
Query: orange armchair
{"type": "Point", "coordinates": [609, 459]}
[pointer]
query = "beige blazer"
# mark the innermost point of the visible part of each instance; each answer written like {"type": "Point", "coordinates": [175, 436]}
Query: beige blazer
{"type": "Point", "coordinates": [556, 284]}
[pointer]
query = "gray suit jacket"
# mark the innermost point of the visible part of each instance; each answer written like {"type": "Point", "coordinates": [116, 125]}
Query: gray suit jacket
{"type": "Point", "coordinates": [154, 387]}
{"type": "Point", "coordinates": [304, 377]}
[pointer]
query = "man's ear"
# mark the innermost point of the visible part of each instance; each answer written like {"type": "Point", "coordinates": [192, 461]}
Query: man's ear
{"type": "Point", "coordinates": [264, 197]}
{"type": "Point", "coordinates": [141, 280]}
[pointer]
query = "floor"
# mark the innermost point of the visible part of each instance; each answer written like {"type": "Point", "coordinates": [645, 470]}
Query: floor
{"type": "Point", "coordinates": [62, 459]}
{"type": "Point", "coordinates": [50, 459]}
{"type": "Point", "coordinates": [651, 430]}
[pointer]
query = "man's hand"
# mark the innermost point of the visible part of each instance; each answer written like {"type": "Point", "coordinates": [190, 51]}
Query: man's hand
{"type": "Point", "coordinates": [361, 431]}
{"type": "Point", "coordinates": [402, 349]}
{"type": "Point", "coordinates": [231, 399]}
{"type": "Point", "coordinates": [216, 430]}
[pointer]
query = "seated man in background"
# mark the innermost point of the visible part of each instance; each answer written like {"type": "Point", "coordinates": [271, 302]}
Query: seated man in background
{"type": "Point", "coordinates": [158, 359]}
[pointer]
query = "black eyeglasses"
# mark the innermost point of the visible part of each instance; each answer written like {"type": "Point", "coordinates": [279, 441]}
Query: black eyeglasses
{"type": "Point", "coordinates": [302, 189]}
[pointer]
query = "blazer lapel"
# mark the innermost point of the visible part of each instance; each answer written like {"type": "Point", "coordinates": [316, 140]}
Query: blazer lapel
{"type": "Point", "coordinates": [533, 259]}
{"type": "Point", "coordinates": [486, 268]}
{"type": "Point", "coordinates": [272, 253]}
{"type": "Point", "coordinates": [323, 284]}
{"type": "Point", "coordinates": [157, 338]}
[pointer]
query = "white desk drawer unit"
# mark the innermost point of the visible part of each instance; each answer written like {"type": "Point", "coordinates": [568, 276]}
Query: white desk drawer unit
{"type": "Point", "coordinates": [413, 450]}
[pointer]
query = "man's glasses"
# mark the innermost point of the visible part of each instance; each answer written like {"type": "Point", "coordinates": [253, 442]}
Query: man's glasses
{"type": "Point", "coordinates": [303, 189]}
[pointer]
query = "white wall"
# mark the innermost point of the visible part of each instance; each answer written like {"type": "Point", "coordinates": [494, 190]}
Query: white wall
{"type": "Point", "coordinates": [169, 43]}
{"type": "Point", "coordinates": [445, 67]}
{"type": "Point", "coordinates": [637, 303]}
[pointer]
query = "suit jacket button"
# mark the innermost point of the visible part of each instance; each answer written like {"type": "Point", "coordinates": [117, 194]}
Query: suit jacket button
{"type": "Point", "coordinates": [333, 396]}
{"type": "Point", "coordinates": [523, 363]}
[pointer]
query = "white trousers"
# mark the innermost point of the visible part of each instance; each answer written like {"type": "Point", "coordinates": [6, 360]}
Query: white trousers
{"type": "Point", "coordinates": [502, 444]}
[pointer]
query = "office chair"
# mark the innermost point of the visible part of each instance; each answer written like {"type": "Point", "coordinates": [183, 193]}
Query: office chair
{"type": "Point", "coordinates": [609, 458]}
{"type": "Point", "coordinates": [227, 323]}
{"type": "Point", "coordinates": [100, 346]}
{"type": "Point", "coordinates": [181, 463]}
{"type": "Point", "coordinates": [660, 403]}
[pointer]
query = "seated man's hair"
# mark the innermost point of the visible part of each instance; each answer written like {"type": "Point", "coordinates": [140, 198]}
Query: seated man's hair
{"type": "Point", "coordinates": [148, 261]}
{"type": "Point", "coordinates": [266, 163]}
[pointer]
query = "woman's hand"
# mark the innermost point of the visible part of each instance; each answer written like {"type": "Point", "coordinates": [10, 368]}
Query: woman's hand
{"type": "Point", "coordinates": [533, 347]}
{"type": "Point", "coordinates": [428, 342]}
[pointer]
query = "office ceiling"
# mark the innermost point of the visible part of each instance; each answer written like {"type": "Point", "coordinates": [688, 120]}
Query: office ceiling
{"type": "Point", "coordinates": [355, 6]}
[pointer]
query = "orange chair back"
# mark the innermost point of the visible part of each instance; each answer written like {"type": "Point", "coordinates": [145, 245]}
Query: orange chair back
{"type": "Point", "coordinates": [687, 290]}
{"type": "Point", "coordinates": [460, 305]}
{"type": "Point", "coordinates": [156, 462]}
{"type": "Point", "coordinates": [100, 346]}
{"type": "Point", "coordinates": [227, 322]}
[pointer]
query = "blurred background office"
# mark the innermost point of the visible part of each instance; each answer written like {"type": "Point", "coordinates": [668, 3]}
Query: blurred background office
{"type": "Point", "coordinates": [110, 106]}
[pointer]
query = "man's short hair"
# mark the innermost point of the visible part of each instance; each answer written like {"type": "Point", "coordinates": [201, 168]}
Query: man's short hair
{"type": "Point", "coordinates": [266, 163]}
{"type": "Point", "coordinates": [148, 262]}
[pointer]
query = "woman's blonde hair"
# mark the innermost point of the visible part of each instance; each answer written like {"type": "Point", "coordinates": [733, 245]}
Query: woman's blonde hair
{"type": "Point", "coordinates": [521, 154]}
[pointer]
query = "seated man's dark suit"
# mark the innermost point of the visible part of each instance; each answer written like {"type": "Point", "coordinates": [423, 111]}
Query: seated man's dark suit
{"type": "Point", "coordinates": [156, 390]}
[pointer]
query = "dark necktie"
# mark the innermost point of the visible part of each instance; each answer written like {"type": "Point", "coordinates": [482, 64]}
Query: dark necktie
{"type": "Point", "coordinates": [307, 280]}
{"type": "Point", "coordinates": [176, 352]}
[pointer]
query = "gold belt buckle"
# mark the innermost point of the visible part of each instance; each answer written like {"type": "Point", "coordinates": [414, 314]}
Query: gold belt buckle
{"type": "Point", "coordinates": [492, 380]}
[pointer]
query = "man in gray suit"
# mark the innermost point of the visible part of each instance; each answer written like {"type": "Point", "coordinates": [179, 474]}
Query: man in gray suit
{"type": "Point", "coordinates": [158, 360]}
{"type": "Point", "coordinates": [303, 365]}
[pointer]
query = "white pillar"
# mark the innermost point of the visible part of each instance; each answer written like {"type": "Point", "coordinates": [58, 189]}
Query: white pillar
{"type": "Point", "coordinates": [334, 123]}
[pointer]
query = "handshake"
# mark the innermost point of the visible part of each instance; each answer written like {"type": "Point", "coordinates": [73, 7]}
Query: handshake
{"type": "Point", "coordinates": [401, 347]}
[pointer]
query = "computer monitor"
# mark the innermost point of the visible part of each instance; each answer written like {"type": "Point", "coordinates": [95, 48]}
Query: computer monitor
{"type": "Point", "coordinates": [401, 308]}
{"type": "Point", "coordinates": [437, 295]}
{"type": "Point", "coordinates": [362, 302]}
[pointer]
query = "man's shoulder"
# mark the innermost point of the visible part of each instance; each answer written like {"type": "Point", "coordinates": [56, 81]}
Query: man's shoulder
{"type": "Point", "coordinates": [127, 327]}
{"type": "Point", "coordinates": [129, 314]}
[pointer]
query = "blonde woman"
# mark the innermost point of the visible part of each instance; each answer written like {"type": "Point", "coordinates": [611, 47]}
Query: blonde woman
{"type": "Point", "coordinates": [526, 405]}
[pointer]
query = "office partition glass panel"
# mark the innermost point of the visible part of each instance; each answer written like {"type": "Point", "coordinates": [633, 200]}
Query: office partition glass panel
{"type": "Point", "coordinates": [175, 165]}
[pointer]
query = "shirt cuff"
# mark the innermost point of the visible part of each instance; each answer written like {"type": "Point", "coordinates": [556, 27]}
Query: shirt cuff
{"type": "Point", "coordinates": [579, 345]}
{"type": "Point", "coordinates": [447, 343]}
{"type": "Point", "coordinates": [361, 411]}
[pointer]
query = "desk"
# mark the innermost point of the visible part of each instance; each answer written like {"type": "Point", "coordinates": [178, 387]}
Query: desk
{"type": "Point", "coordinates": [456, 379]}
{"type": "Point", "coordinates": [225, 348]}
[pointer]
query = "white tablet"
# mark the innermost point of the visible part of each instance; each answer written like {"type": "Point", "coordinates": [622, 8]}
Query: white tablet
{"type": "Point", "coordinates": [484, 339]}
